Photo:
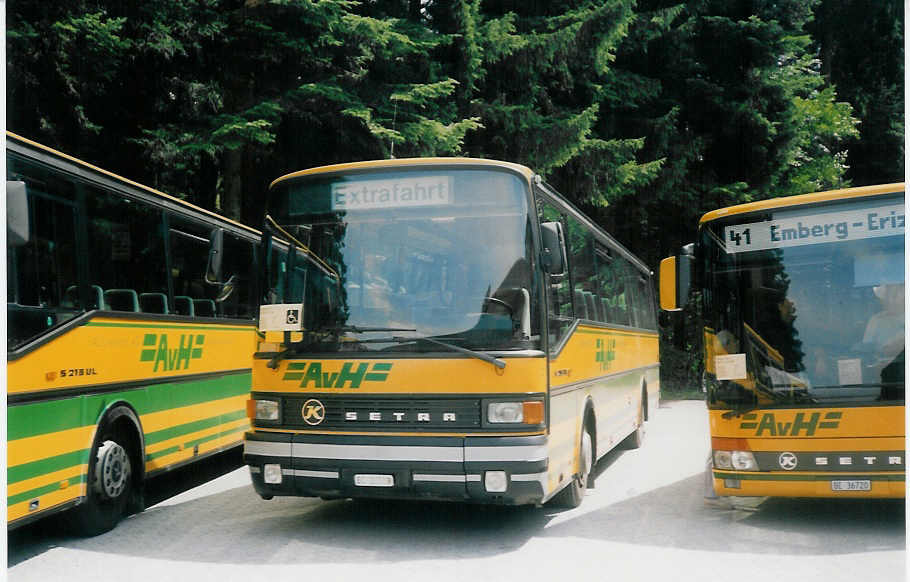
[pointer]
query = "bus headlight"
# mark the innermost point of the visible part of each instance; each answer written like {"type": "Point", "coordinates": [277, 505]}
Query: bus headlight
{"type": "Point", "coordinates": [266, 410]}
{"type": "Point", "coordinates": [505, 412]}
{"type": "Point", "coordinates": [738, 460]}
{"type": "Point", "coordinates": [530, 412]}
{"type": "Point", "coordinates": [744, 461]}
{"type": "Point", "coordinates": [723, 460]}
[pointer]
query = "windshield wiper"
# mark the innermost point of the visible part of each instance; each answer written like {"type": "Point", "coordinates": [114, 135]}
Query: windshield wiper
{"type": "Point", "coordinates": [474, 354]}
{"type": "Point", "coordinates": [358, 329]}
{"type": "Point", "coordinates": [497, 362]}
{"type": "Point", "coordinates": [273, 363]}
{"type": "Point", "coordinates": [479, 355]}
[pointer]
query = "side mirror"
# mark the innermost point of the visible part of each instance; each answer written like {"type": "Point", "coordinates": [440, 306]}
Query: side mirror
{"type": "Point", "coordinates": [216, 249]}
{"type": "Point", "coordinates": [17, 219]}
{"type": "Point", "coordinates": [554, 248]}
{"type": "Point", "coordinates": [676, 279]}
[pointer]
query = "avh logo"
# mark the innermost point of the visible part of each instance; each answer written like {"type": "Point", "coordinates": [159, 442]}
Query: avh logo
{"type": "Point", "coordinates": [606, 353]}
{"type": "Point", "coordinates": [155, 349]}
{"type": "Point", "coordinates": [311, 375]}
{"type": "Point", "coordinates": [802, 424]}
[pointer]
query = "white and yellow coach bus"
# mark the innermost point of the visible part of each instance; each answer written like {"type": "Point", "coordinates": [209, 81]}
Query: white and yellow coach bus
{"type": "Point", "coordinates": [803, 307]}
{"type": "Point", "coordinates": [125, 357]}
{"type": "Point", "coordinates": [445, 328]}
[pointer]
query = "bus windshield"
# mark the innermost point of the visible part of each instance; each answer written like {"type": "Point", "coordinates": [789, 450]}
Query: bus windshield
{"type": "Point", "coordinates": [393, 255]}
{"type": "Point", "coordinates": [805, 306]}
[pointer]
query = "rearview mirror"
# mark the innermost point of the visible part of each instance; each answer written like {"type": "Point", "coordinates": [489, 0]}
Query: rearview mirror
{"type": "Point", "coordinates": [216, 249]}
{"type": "Point", "coordinates": [676, 279]}
{"type": "Point", "coordinates": [554, 249]}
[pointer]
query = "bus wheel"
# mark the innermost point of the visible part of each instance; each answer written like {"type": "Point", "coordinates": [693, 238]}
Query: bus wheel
{"type": "Point", "coordinates": [635, 440]}
{"type": "Point", "coordinates": [110, 485]}
{"type": "Point", "coordinates": [574, 492]}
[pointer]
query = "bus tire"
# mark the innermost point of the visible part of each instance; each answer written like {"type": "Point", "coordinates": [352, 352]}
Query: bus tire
{"type": "Point", "coordinates": [636, 439]}
{"type": "Point", "coordinates": [572, 494]}
{"type": "Point", "coordinates": [110, 483]}
{"type": "Point", "coordinates": [646, 416]}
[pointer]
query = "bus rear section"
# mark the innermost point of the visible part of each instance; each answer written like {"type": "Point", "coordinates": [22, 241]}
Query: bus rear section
{"type": "Point", "coordinates": [411, 350]}
{"type": "Point", "coordinates": [803, 306]}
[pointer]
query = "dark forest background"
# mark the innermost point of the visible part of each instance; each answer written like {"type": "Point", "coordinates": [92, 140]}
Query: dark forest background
{"type": "Point", "coordinates": [645, 114]}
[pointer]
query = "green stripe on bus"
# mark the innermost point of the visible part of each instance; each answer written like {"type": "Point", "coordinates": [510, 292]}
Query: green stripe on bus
{"type": "Point", "coordinates": [297, 366]}
{"type": "Point", "coordinates": [382, 367]}
{"type": "Point", "coordinates": [212, 437]}
{"type": "Point", "coordinates": [45, 466]}
{"type": "Point", "coordinates": [27, 495]}
{"type": "Point", "coordinates": [293, 376]}
{"type": "Point", "coordinates": [188, 326]}
{"type": "Point", "coordinates": [807, 478]}
{"type": "Point", "coordinates": [191, 427]}
{"type": "Point", "coordinates": [161, 453]}
{"type": "Point", "coordinates": [192, 443]}
{"type": "Point", "coordinates": [51, 416]}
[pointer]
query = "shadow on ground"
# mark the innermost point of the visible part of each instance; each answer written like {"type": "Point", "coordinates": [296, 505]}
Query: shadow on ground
{"type": "Point", "coordinates": [248, 530]}
{"type": "Point", "coordinates": [53, 531]}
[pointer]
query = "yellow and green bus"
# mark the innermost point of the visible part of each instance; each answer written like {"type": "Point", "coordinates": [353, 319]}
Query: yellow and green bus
{"type": "Point", "coordinates": [444, 328]}
{"type": "Point", "coordinates": [803, 306]}
{"type": "Point", "coordinates": [126, 354]}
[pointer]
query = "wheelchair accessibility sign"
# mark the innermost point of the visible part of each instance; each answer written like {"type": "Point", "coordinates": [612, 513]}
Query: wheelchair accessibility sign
{"type": "Point", "coordinates": [281, 317]}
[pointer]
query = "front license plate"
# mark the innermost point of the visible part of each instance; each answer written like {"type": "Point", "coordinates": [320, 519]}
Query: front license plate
{"type": "Point", "coordinates": [367, 480]}
{"type": "Point", "coordinates": [853, 485]}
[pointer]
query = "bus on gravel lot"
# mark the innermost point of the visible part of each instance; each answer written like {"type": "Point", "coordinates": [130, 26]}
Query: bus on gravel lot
{"type": "Point", "coordinates": [446, 329]}
{"type": "Point", "coordinates": [126, 356]}
{"type": "Point", "coordinates": [803, 307]}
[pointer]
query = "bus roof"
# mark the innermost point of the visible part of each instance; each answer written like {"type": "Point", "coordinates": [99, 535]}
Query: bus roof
{"type": "Point", "coordinates": [406, 162]}
{"type": "Point", "coordinates": [828, 196]}
{"type": "Point", "coordinates": [157, 193]}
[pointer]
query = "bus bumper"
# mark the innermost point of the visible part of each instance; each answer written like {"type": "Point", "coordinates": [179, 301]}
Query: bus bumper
{"type": "Point", "coordinates": [501, 470]}
{"type": "Point", "coordinates": [729, 483]}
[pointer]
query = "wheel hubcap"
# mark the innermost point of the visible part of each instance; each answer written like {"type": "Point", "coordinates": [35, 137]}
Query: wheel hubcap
{"type": "Point", "coordinates": [112, 470]}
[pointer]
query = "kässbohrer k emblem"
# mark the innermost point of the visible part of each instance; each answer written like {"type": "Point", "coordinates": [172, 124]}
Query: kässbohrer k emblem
{"type": "Point", "coordinates": [787, 461]}
{"type": "Point", "coordinates": [313, 412]}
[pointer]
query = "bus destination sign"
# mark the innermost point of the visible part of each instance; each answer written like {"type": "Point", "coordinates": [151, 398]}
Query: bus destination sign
{"type": "Point", "coordinates": [396, 193]}
{"type": "Point", "coordinates": [808, 229]}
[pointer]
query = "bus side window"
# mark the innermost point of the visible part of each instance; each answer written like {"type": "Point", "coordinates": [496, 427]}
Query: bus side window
{"type": "Point", "coordinates": [581, 268]}
{"type": "Point", "coordinates": [644, 304]}
{"type": "Point", "coordinates": [612, 282]}
{"type": "Point", "coordinates": [126, 249]}
{"type": "Point", "coordinates": [238, 262]}
{"type": "Point", "coordinates": [188, 243]}
{"type": "Point", "coordinates": [40, 271]}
